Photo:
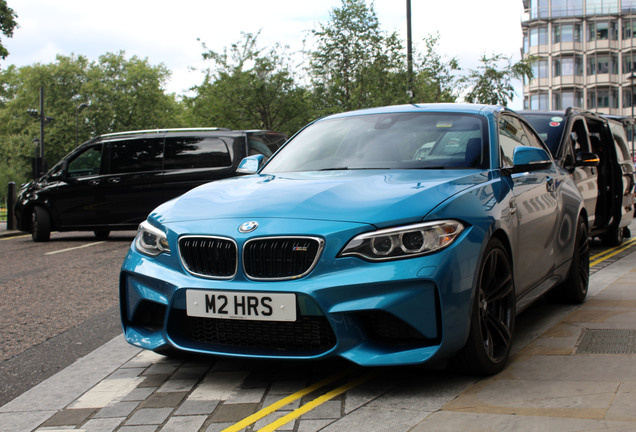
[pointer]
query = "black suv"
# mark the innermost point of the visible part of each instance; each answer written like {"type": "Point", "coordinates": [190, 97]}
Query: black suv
{"type": "Point", "coordinates": [593, 148]}
{"type": "Point", "coordinates": [114, 181]}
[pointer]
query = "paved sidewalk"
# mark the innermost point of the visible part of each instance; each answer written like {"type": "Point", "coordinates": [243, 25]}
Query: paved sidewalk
{"type": "Point", "coordinates": [580, 375]}
{"type": "Point", "coordinates": [7, 233]}
{"type": "Point", "coordinates": [576, 373]}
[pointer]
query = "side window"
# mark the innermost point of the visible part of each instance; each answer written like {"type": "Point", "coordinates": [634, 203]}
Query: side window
{"type": "Point", "coordinates": [512, 134]}
{"type": "Point", "coordinates": [196, 152]}
{"type": "Point", "coordinates": [136, 155]}
{"type": "Point", "coordinates": [86, 163]}
{"type": "Point", "coordinates": [579, 137]}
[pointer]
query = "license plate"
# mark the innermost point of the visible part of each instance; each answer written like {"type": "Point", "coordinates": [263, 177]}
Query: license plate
{"type": "Point", "coordinates": [241, 305]}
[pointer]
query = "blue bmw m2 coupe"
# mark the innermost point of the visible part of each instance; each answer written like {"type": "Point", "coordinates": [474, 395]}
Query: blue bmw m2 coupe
{"type": "Point", "coordinates": [387, 236]}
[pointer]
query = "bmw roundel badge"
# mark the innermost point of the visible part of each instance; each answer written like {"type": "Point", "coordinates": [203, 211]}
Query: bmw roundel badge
{"type": "Point", "coordinates": [248, 227]}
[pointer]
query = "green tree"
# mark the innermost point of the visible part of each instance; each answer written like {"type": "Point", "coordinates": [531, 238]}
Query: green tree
{"type": "Point", "coordinates": [356, 64]}
{"type": "Point", "coordinates": [124, 94]}
{"type": "Point", "coordinates": [247, 88]}
{"type": "Point", "coordinates": [7, 25]}
{"type": "Point", "coordinates": [436, 79]}
{"type": "Point", "coordinates": [491, 82]}
{"type": "Point", "coordinates": [128, 94]}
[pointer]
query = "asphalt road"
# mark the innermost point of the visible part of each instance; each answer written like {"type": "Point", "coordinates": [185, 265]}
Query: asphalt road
{"type": "Point", "coordinates": [58, 302]}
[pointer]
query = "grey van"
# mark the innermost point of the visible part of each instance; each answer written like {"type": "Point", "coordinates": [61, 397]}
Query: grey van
{"type": "Point", "coordinates": [114, 181]}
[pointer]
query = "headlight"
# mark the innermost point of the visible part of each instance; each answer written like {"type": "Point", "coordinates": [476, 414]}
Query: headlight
{"type": "Point", "coordinates": [404, 242]}
{"type": "Point", "coordinates": [150, 240]}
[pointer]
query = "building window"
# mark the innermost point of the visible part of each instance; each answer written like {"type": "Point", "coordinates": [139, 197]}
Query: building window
{"type": "Point", "coordinates": [629, 28]}
{"type": "Point", "coordinates": [601, 7]}
{"type": "Point", "coordinates": [540, 69]}
{"type": "Point", "coordinates": [567, 8]}
{"type": "Point", "coordinates": [539, 9]}
{"type": "Point", "coordinates": [628, 5]}
{"type": "Point", "coordinates": [629, 62]}
{"type": "Point", "coordinates": [566, 33]}
{"type": "Point", "coordinates": [567, 66]}
{"type": "Point", "coordinates": [602, 30]}
{"type": "Point", "coordinates": [539, 101]}
{"type": "Point", "coordinates": [602, 64]}
{"type": "Point", "coordinates": [538, 36]}
{"type": "Point", "coordinates": [567, 98]}
{"type": "Point", "coordinates": [603, 97]}
{"type": "Point", "coordinates": [628, 97]}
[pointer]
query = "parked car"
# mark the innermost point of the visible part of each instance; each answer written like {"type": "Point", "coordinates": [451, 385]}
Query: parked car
{"type": "Point", "coordinates": [113, 181]}
{"type": "Point", "coordinates": [593, 149]}
{"type": "Point", "coordinates": [346, 243]}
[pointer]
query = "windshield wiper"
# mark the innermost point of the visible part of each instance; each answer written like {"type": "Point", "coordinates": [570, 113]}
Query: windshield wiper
{"type": "Point", "coordinates": [335, 169]}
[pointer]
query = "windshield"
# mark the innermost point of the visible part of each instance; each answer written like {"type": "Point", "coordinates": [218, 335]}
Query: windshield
{"type": "Point", "coordinates": [387, 141]}
{"type": "Point", "coordinates": [550, 129]}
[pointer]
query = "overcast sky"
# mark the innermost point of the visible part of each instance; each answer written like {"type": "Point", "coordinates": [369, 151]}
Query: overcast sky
{"type": "Point", "coordinates": [166, 31]}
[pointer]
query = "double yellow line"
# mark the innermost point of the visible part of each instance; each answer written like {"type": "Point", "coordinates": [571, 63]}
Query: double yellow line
{"type": "Point", "coordinates": [600, 257]}
{"type": "Point", "coordinates": [304, 408]}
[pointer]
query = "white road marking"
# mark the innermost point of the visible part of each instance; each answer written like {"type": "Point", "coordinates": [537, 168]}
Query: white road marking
{"type": "Point", "coordinates": [74, 248]}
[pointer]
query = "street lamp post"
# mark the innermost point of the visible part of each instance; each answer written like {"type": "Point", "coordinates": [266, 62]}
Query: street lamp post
{"type": "Point", "coordinates": [39, 115]}
{"type": "Point", "coordinates": [409, 52]}
{"type": "Point", "coordinates": [77, 110]}
{"type": "Point", "coordinates": [36, 159]}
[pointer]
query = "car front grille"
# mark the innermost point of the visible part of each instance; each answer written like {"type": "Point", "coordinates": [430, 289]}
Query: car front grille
{"type": "Point", "coordinates": [272, 258]}
{"type": "Point", "coordinates": [280, 257]}
{"type": "Point", "coordinates": [209, 256]}
{"type": "Point", "coordinates": [308, 335]}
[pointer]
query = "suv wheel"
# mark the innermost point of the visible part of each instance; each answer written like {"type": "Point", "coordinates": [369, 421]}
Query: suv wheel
{"type": "Point", "coordinates": [40, 225]}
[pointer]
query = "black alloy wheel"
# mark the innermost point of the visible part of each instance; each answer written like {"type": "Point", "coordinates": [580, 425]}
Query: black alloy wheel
{"type": "Point", "coordinates": [493, 318]}
{"type": "Point", "coordinates": [574, 289]}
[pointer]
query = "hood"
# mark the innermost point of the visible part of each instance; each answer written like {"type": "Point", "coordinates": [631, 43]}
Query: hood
{"type": "Point", "coordinates": [360, 196]}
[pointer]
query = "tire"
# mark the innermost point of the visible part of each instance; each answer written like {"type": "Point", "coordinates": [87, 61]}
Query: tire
{"type": "Point", "coordinates": [40, 225]}
{"type": "Point", "coordinates": [613, 237]}
{"type": "Point", "coordinates": [574, 289]}
{"type": "Point", "coordinates": [493, 315]}
{"type": "Point", "coordinates": [101, 234]}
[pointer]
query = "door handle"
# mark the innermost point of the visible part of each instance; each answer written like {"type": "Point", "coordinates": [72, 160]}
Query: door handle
{"type": "Point", "coordinates": [114, 180]}
{"type": "Point", "coordinates": [94, 182]}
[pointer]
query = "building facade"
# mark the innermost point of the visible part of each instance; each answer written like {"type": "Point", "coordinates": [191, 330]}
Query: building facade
{"type": "Point", "coordinates": [584, 54]}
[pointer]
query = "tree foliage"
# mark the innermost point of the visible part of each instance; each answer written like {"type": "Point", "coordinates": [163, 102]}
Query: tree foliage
{"type": "Point", "coordinates": [491, 82]}
{"type": "Point", "coordinates": [7, 25]}
{"type": "Point", "coordinates": [249, 87]}
{"type": "Point", "coordinates": [436, 80]}
{"type": "Point", "coordinates": [355, 64]}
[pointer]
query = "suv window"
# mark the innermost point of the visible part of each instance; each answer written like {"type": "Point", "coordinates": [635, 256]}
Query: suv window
{"type": "Point", "coordinates": [136, 155]}
{"type": "Point", "coordinates": [196, 152]}
{"type": "Point", "coordinates": [87, 163]}
{"type": "Point", "coordinates": [549, 127]}
{"type": "Point", "coordinates": [620, 140]}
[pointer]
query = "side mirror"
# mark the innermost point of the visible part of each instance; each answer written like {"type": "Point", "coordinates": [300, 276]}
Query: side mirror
{"type": "Point", "coordinates": [529, 159]}
{"type": "Point", "coordinates": [61, 174]}
{"type": "Point", "coordinates": [587, 159]}
{"type": "Point", "coordinates": [250, 164]}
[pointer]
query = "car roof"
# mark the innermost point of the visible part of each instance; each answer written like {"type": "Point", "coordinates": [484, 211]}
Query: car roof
{"type": "Point", "coordinates": [462, 108]}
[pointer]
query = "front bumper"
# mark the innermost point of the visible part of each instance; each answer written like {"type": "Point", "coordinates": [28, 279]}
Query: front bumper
{"type": "Point", "coordinates": [390, 313]}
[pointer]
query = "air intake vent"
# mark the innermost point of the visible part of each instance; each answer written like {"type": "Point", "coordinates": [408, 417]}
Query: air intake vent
{"type": "Point", "coordinates": [213, 257]}
{"type": "Point", "coordinates": [277, 258]}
